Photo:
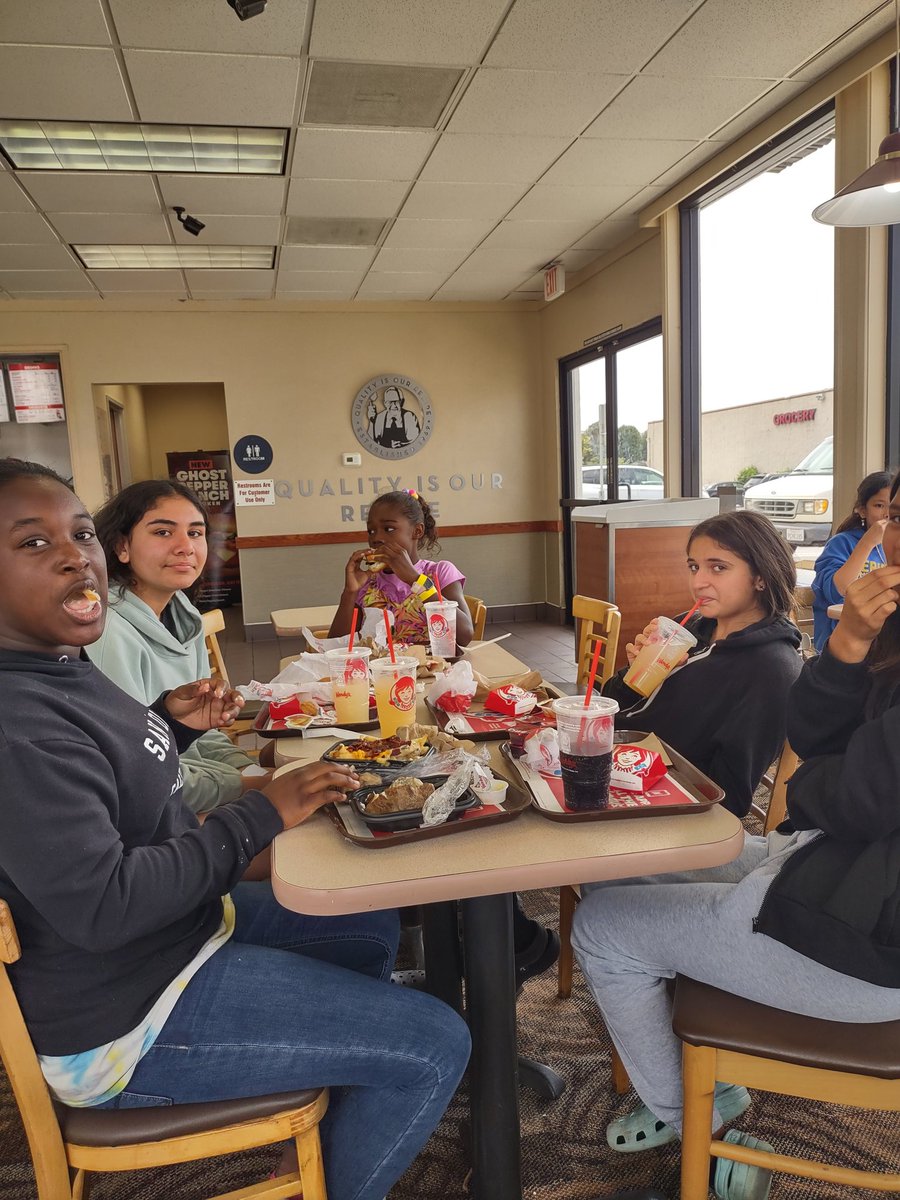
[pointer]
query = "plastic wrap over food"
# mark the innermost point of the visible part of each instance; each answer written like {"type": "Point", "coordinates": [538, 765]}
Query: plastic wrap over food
{"type": "Point", "coordinates": [442, 801]}
{"type": "Point", "coordinates": [447, 762]}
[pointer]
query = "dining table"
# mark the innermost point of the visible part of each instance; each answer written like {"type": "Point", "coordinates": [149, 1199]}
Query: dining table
{"type": "Point", "coordinates": [467, 882]}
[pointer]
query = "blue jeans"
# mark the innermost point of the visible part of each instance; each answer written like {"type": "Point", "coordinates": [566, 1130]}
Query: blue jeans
{"type": "Point", "coordinates": [294, 1002]}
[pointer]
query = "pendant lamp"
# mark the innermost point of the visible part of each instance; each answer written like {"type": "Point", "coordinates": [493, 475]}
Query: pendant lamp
{"type": "Point", "coordinates": [873, 198]}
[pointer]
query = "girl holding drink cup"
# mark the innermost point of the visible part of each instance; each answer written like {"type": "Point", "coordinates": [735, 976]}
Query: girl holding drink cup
{"type": "Point", "coordinates": [720, 696]}
{"type": "Point", "coordinates": [392, 575]}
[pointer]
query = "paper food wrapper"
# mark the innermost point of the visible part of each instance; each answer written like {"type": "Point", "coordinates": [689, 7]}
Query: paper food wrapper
{"type": "Point", "coordinates": [453, 690]}
{"type": "Point", "coordinates": [636, 768]}
{"type": "Point", "coordinates": [511, 701]}
{"type": "Point", "coordinates": [529, 681]}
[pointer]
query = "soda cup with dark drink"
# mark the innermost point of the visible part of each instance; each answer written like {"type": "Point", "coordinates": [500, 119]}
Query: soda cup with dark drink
{"type": "Point", "coordinates": [586, 734]}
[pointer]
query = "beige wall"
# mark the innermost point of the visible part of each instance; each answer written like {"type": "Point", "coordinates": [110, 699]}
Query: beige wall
{"type": "Point", "coordinates": [290, 376]}
{"type": "Point", "coordinates": [183, 417]}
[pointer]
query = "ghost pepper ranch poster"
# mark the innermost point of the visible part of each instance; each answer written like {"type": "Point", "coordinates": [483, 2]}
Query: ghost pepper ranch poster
{"type": "Point", "coordinates": [208, 473]}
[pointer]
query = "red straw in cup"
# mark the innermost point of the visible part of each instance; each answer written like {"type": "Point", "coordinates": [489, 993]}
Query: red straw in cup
{"type": "Point", "coordinates": [438, 586]}
{"type": "Point", "coordinates": [353, 628]}
{"type": "Point", "coordinates": [690, 612]}
{"type": "Point", "coordinates": [390, 636]}
{"type": "Point", "coordinates": [592, 675]}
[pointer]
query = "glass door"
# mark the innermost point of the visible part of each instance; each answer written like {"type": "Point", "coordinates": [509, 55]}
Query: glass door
{"type": "Point", "coordinates": [611, 400]}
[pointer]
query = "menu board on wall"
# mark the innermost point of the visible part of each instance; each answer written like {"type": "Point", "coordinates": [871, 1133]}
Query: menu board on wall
{"type": "Point", "coordinates": [36, 392]}
{"type": "Point", "coordinates": [4, 399]}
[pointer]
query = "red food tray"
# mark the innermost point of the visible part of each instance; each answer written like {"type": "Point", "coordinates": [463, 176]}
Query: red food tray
{"type": "Point", "coordinates": [271, 727]}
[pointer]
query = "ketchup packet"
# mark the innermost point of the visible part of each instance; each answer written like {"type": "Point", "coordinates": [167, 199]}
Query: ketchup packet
{"type": "Point", "coordinates": [511, 700]}
{"type": "Point", "coordinates": [635, 769]}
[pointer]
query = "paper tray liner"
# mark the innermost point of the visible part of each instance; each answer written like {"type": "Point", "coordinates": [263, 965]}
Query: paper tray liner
{"type": "Point", "coordinates": [355, 830]}
{"type": "Point", "coordinates": [683, 789]}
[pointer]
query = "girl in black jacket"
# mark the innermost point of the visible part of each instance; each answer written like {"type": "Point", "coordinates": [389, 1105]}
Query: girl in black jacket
{"type": "Point", "coordinates": [724, 707]}
{"type": "Point", "coordinates": [808, 919]}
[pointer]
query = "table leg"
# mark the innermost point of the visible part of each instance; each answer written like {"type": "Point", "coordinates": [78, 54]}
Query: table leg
{"type": "Point", "coordinates": [443, 958]}
{"type": "Point", "coordinates": [493, 1070]}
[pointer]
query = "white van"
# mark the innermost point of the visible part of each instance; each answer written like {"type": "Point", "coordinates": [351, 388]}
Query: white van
{"type": "Point", "coordinates": [799, 504]}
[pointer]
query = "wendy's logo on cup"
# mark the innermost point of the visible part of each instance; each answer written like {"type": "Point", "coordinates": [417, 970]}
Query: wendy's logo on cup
{"type": "Point", "coordinates": [439, 625]}
{"type": "Point", "coordinates": [355, 669]}
{"type": "Point", "coordinates": [403, 693]}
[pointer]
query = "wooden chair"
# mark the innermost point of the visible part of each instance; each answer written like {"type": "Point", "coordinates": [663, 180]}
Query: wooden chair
{"type": "Point", "coordinates": [732, 1040]}
{"type": "Point", "coordinates": [802, 615]}
{"type": "Point", "coordinates": [67, 1144]}
{"type": "Point", "coordinates": [597, 621]}
{"type": "Point", "coordinates": [788, 762]}
{"type": "Point", "coordinates": [214, 623]}
{"type": "Point", "coordinates": [478, 612]}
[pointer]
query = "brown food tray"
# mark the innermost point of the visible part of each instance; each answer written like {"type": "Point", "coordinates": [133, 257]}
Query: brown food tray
{"type": "Point", "coordinates": [700, 786]}
{"type": "Point", "coordinates": [517, 800]}
{"type": "Point", "coordinates": [504, 725]}
{"type": "Point", "coordinates": [260, 726]}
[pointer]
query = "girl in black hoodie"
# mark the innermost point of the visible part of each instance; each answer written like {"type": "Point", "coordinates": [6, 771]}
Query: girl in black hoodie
{"type": "Point", "coordinates": [724, 707]}
{"type": "Point", "coordinates": [806, 919]}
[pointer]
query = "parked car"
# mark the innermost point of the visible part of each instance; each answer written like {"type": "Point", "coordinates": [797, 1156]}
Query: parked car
{"type": "Point", "coordinates": [636, 482]}
{"type": "Point", "coordinates": [799, 504]}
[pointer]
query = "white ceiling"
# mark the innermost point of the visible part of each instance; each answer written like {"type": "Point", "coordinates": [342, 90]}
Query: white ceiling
{"type": "Point", "coordinates": [564, 117]}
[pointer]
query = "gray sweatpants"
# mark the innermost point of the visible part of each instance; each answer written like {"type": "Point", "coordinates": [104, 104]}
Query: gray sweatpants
{"type": "Point", "coordinates": [631, 935]}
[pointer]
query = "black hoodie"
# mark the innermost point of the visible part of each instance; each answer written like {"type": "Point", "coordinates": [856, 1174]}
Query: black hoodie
{"type": "Point", "coordinates": [112, 884]}
{"type": "Point", "coordinates": [725, 708]}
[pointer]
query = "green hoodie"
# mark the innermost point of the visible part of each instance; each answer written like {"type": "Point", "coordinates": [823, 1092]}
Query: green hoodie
{"type": "Point", "coordinates": [139, 653]}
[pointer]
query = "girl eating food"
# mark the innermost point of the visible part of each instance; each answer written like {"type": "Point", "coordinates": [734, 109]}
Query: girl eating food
{"type": "Point", "coordinates": [391, 575]}
{"type": "Point", "coordinates": [724, 707]}
{"type": "Point", "coordinates": [149, 973]}
{"type": "Point", "coordinates": [153, 535]}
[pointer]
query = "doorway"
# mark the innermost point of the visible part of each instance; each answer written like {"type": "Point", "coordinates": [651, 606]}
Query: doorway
{"type": "Point", "coordinates": [611, 423]}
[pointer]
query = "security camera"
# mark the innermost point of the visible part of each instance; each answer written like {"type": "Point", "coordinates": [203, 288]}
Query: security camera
{"type": "Point", "coordinates": [191, 224]}
{"type": "Point", "coordinates": [248, 8]}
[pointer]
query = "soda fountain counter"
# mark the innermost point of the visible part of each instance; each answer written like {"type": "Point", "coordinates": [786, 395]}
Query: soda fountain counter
{"type": "Point", "coordinates": [633, 554]}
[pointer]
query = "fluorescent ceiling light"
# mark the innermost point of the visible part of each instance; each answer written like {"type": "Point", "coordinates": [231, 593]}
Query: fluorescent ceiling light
{"type": "Point", "coordinates": [141, 258]}
{"type": "Point", "coordinates": [187, 149]}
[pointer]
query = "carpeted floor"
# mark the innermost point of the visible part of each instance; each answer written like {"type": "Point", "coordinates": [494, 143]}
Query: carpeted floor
{"type": "Point", "coordinates": [565, 1156]}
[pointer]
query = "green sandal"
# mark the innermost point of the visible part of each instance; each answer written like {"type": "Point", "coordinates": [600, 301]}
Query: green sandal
{"type": "Point", "coordinates": [740, 1181]}
{"type": "Point", "coordinates": [641, 1130]}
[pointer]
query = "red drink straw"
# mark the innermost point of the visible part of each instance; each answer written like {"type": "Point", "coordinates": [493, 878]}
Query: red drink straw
{"type": "Point", "coordinates": [390, 636]}
{"type": "Point", "coordinates": [592, 675]}
{"type": "Point", "coordinates": [687, 616]}
{"type": "Point", "coordinates": [353, 628]}
{"type": "Point", "coordinates": [438, 586]}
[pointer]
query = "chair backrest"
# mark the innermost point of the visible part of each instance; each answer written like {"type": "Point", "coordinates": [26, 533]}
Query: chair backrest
{"type": "Point", "coordinates": [478, 613]}
{"type": "Point", "coordinates": [802, 615]}
{"type": "Point", "coordinates": [597, 621]}
{"type": "Point", "coordinates": [213, 623]}
{"type": "Point", "coordinates": [25, 1076]}
{"type": "Point", "coordinates": [777, 810]}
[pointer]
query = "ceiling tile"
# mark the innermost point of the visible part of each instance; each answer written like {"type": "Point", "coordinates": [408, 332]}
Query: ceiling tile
{"type": "Point", "coordinates": [577, 260]}
{"type": "Point", "coordinates": [536, 103]}
{"type": "Point", "coordinates": [208, 25]}
{"type": "Point", "coordinates": [866, 31]}
{"type": "Point", "coordinates": [36, 258]}
{"type": "Point", "coordinates": [111, 228]}
{"type": "Point", "coordinates": [319, 280]}
{"type": "Point", "coordinates": [26, 227]}
{"type": "Point", "coordinates": [543, 238]}
{"type": "Point", "coordinates": [409, 259]}
{"type": "Point", "coordinates": [20, 282]}
{"type": "Point", "coordinates": [229, 281]}
{"type": "Point", "coordinates": [233, 194]}
{"type": "Point", "coordinates": [609, 233]}
{"type": "Point", "coordinates": [693, 159]}
{"type": "Point", "coordinates": [586, 35]}
{"type": "Point", "coordinates": [544, 203]}
{"type": "Point", "coordinates": [70, 191]}
{"type": "Point", "coordinates": [767, 104]}
{"type": "Point", "coordinates": [411, 285]}
{"type": "Point", "coordinates": [656, 107]}
{"type": "Point", "coordinates": [596, 161]}
{"type": "Point", "coordinates": [364, 93]}
{"type": "Point", "coordinates": [444, 234]}
{"type": "Point", "coordinates": [639, 200]}
{"type": "Point", "coordinates": [482, 289]}
{"type": "Point", "coordinates": [333, 294]}
{"type": "Point", "coordinates": [324, 258]}
{"type": "Point", "coordinates": [229, 231]}
{"type": "Point", "coordinates": [763, 40]}
{"type": "Point", "coordinates": [461, 200]}
{"type": "Point", "coordinates": [62, 83]}
{"type": "Point", "coordinates": [12, 198]}
{"type": "Point", "coordinates": [340, 198]}
{"type": "Point", "coordinates": [49, 23]}
{"type": "Point", "coordinates": [488, 158]}
{"type": "Point", "coordinates": [353, 154]}
{"type": "Point", "coordinates": [418, 31]}
{"type": "Point", "coordinates": [212, 89]}
{"type": "Point", "coordinates": [236, 293]}
{"type": "Point", "coordinates": [334, 231]}
{"type": "Point", "coordinates": [505, 263]}
{"type": "Point", "coordinates": [90, 294]}
{"type": "Point", "coordinates": [139, 281]}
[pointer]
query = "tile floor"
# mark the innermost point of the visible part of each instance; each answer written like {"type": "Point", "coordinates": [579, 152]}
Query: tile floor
{"type": "Point", "coordinates": [548, 648]}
